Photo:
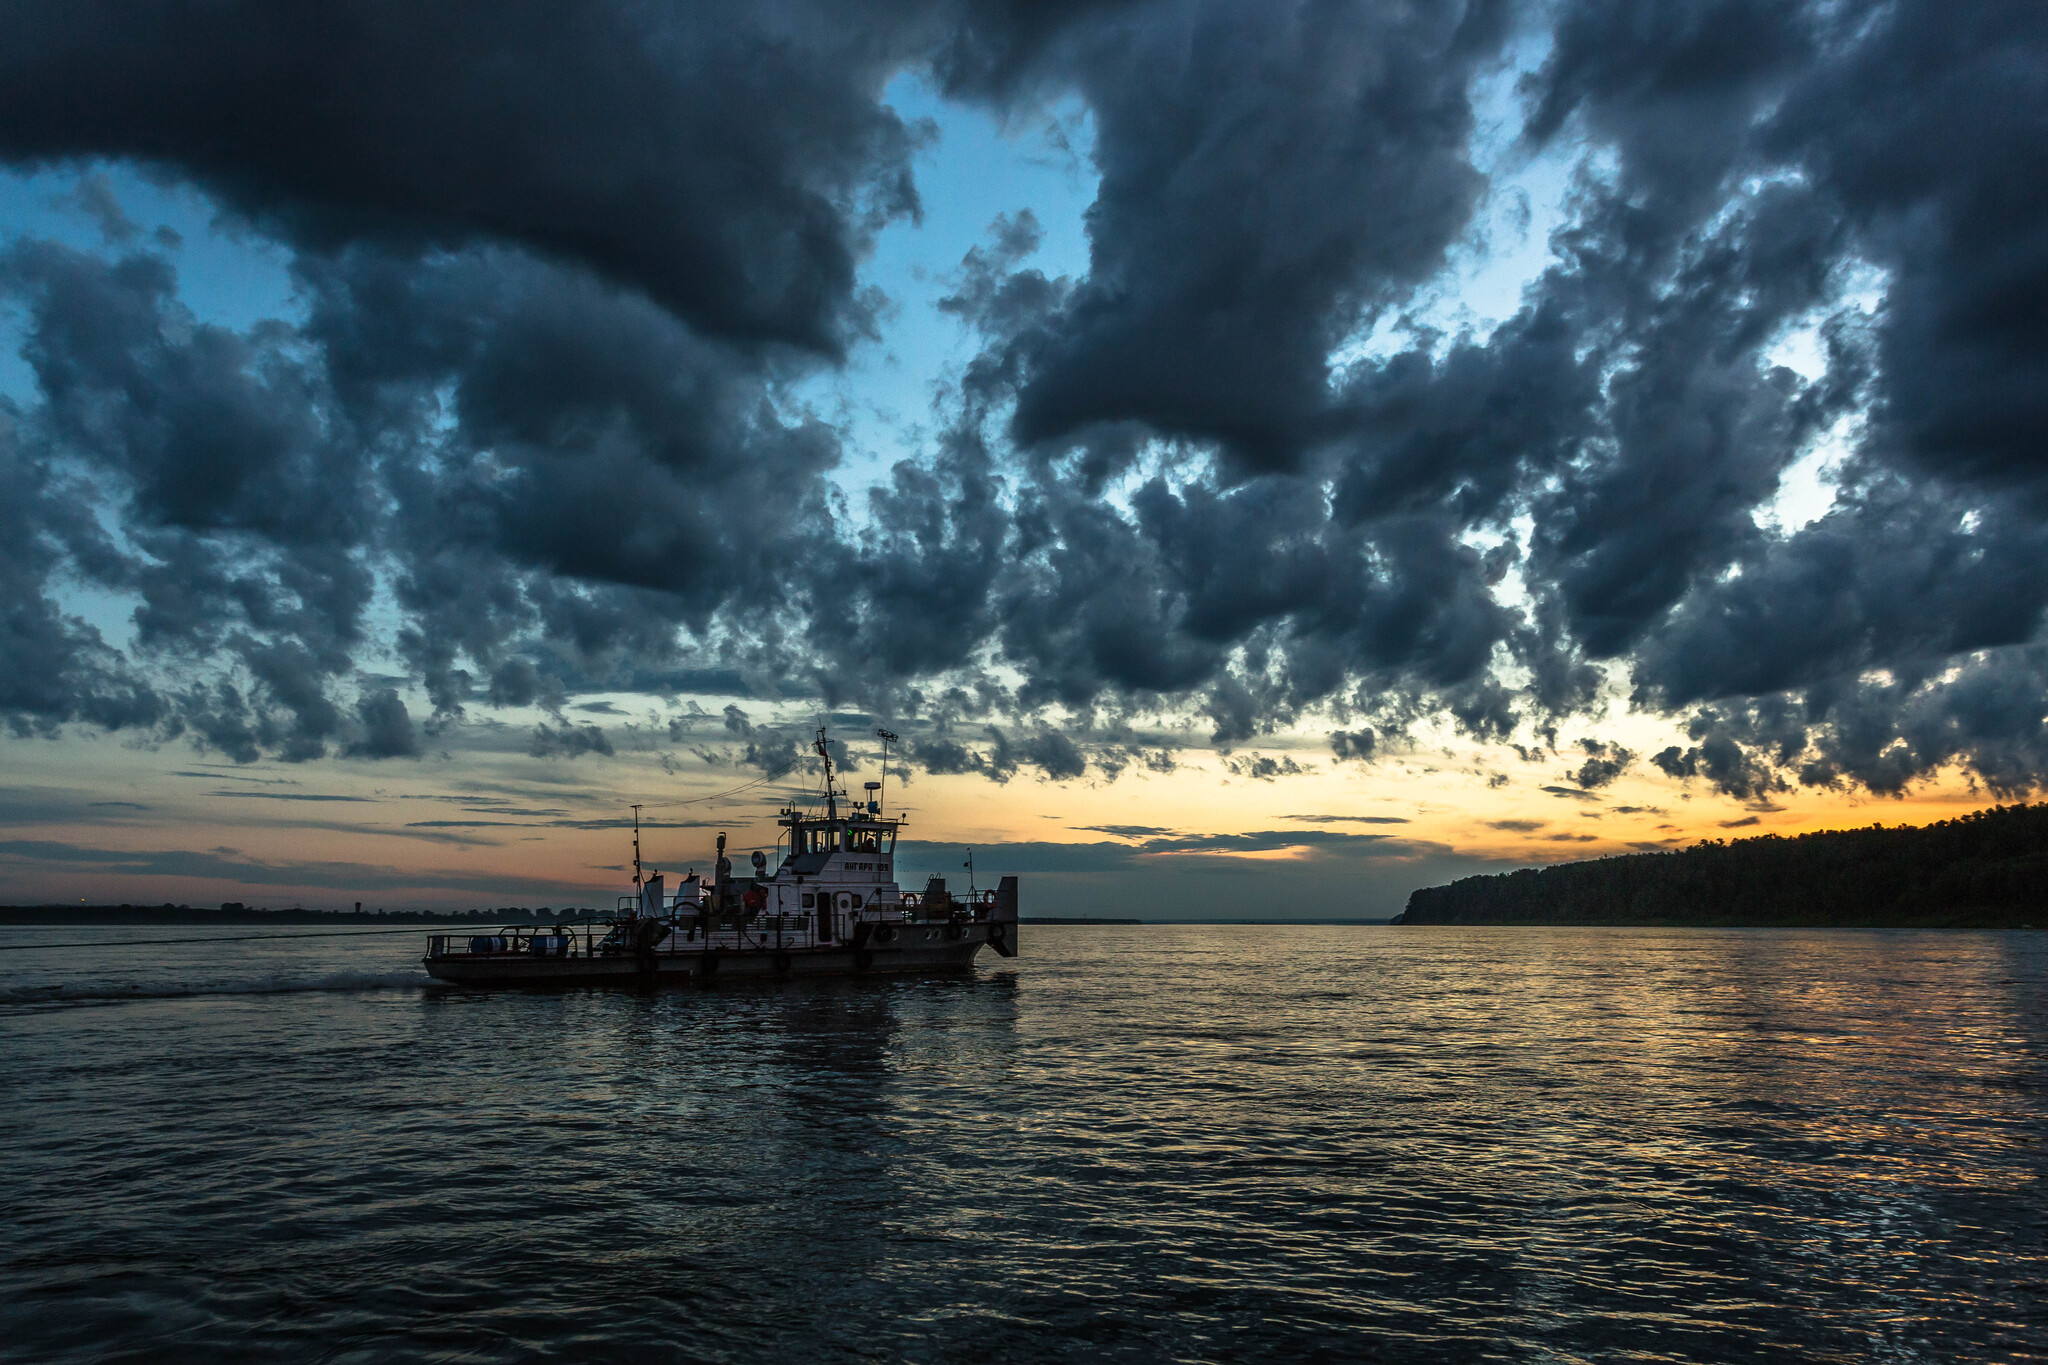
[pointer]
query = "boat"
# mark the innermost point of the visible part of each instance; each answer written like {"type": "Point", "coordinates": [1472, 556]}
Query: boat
{"type": "Point", "coordinates": [831, 907]}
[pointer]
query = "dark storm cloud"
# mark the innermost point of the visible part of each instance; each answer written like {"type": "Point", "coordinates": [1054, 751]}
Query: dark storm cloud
{"type": "Point", "coordinates": [218, 431]}
{"type": "Point", "coordinates": [1905, 582]}
{"type": "Point", "coordinates": [1353, 743]}
{"type": "Point", "coordinates": [1263, 767]}
{"type": "Point", "coordinates": [1604, 763]}
{"type": "Point", "coordinates": [1880, 731]}
{"type": "Point", "coordinates": [388, 730]}
{"type": "Point", "coordinates": [568, 741]}
{"type": "Point", "coordinates": [1162, 601]}
{"type": "Point", "coordinates": [53, 668]}
{"type": "Point", "coordinates": [1932, 554]}
{"type": "Point", "coordinates": [728, 160]}
{"type": "Point", "coordinates": [1925, 128]}
{"type": "Point", "coordinates": [1271, 174]}
{"type": "Point", "coordinates": [611, 476]}
{"type": "Point", "coordinates": [587, 502]}
{"type": "Point", "coordinates": [1901, 573]}
{"type": "Point", "coordinates": [242, 508]}
{"type": "Point", "coordinates": [95, 197]}
{"type": "Point", "coordinates": [1698, 428]}
{"type": "Point", "coordinates": [913, 597]}
{"type": "Point", "coordinates": [563, 271]}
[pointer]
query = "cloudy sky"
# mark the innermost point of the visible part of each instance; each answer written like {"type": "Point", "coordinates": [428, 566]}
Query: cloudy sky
{"type": "Point", "coordinates": [1261, 457]}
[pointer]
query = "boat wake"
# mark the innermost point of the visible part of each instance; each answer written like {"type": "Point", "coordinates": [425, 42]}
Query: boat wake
{"type": "Point", "coordinates": [105, 991]}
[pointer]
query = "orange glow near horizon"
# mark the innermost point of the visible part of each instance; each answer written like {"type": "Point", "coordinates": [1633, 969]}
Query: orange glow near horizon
{"type": "Point", "coordinates": [500, 827]}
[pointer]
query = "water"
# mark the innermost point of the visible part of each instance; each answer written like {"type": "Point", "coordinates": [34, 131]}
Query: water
{"type": "Point", "coordinates": [1133, 1144]}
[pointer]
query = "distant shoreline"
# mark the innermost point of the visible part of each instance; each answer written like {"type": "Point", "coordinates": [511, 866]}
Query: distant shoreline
{"type": "Point", "coordinates": [145, 916]}
{"type": "Point", "coordinates": [60, 916]}
{"type": "Point", "coordinates": [1985, 870]}
{"type": "Point", "coordinates": [57, 916]}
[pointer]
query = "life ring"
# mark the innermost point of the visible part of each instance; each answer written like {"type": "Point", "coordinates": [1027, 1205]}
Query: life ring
{"type": "Point", "coordinates": [886, 934]}
{"type": "Point", "coordinates": [988, 898]}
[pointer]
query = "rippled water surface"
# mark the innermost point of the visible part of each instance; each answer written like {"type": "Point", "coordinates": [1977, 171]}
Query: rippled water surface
{"type": "Point", "coordinates": [1145, 1144]}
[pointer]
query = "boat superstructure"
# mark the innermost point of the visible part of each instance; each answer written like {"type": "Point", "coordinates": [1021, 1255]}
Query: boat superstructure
{"type": "Point", "coordinates": [830, 907]}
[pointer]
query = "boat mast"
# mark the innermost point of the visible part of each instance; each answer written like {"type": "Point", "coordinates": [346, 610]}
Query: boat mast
{"type": "Point", "coordinates": [824, 752]}
{"type": "Point", "coordinates": [881, 791]}
{"type": "Point", "coordinates": [636, 846]}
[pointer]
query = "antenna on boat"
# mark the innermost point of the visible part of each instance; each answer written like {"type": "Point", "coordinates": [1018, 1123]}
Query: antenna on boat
{"type": "Point", "coordinates": [825, 752]}
{"type": "Point", "coordinates": [636, 846]}
{"type": "Point", "coordinates": [887, 737]}
{"type": "Point", "coordinates": [970, 871]}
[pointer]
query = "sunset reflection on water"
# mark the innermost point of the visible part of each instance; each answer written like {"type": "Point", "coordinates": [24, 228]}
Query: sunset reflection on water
{"type": "Point", "coordinates": [1163, 1142]}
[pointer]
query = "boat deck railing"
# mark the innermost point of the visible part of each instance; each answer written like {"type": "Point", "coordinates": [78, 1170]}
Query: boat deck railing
{"type": "Point", "coordinates": [595, 938]}
{"type": "Point", "coordinates": [974, 910]}
{"type": "Point", "coordinates": [507, 942]}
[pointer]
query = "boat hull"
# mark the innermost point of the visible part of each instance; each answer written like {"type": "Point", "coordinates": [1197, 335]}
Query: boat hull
{"type": "Point", "coordinates": [911, 952]}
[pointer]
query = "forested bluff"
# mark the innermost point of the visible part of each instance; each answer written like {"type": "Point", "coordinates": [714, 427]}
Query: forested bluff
{"type": "Point", "coordinates": [1988, 869]}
